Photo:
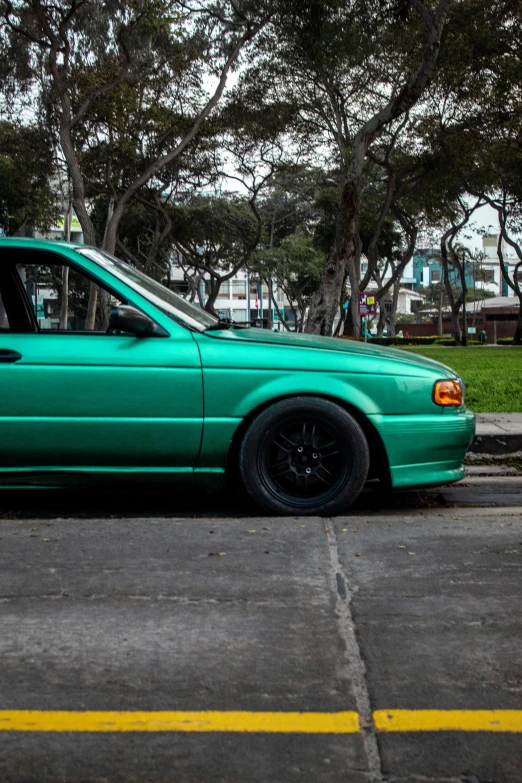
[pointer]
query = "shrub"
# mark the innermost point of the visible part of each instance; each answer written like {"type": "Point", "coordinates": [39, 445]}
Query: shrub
{"type": "Point", "coordinates": [505, 341]}
{"type": "Point", "coordinates": [396, 340]}
{"type": "Point", "coordinates": [449, 341]}
{"type": "Point", "coordinates": [431, 340]}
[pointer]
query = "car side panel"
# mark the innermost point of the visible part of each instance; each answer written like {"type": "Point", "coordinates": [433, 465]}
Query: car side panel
{"type": "Point", "coordinates": [100, 400]}
{"type": "Point", "coordinates": [239, 378]}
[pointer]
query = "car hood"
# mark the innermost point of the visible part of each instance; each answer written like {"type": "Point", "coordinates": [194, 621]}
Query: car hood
{"type": "Point", "coordinates": [316, 342]}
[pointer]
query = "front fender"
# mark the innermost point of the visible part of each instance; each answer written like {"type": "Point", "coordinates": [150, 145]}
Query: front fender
{"type": "Point", "coordinates": [231, 397]}
{"type": "Point", "coordinates": [318, 384]}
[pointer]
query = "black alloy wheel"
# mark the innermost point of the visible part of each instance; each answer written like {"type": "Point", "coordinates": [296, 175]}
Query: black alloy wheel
{"type": "Point", "coordinates": [304, 455]}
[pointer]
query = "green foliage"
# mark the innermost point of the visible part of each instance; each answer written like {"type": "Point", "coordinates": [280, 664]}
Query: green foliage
{"type": "Point", "coordinates": [404, 340]}
{"type": "Point", "coordinates": [433, 293]}
{"type": "Point", "coordinates": [26, 164]}
{"type": "Point", "coordinates": [297, 263]}
{"type": "Point", "coordinates": [493, 376]}
{"type": "Point", "coordinates": [447, 341]}
{"type": "Point", "coordinates": [217, 233]}
{"type": "Point", "coordinates": [309, 81]}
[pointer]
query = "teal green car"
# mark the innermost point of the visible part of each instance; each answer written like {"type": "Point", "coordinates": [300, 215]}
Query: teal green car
{"type": "Point", "coordinates": [106, 375]}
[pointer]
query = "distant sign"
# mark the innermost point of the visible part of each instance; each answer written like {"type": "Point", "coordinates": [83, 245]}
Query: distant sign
{"type": "Point", "coordinates": [472, 330]}
{"type": "Point", "coordinates": [39, 308]}
{"type": "Point", "coordinates": [367, 304]}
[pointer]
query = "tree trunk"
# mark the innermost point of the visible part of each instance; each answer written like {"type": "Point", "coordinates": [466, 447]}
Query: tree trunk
{"type": "Point", "coordinates": [462, 272]}
{"type": "Point", "coordinates": [393, 313]}
{"type": "Point", "coordinates": [454, 303]}
{"type": "Point", "coordinates": [324, 302]}
{"type": "Point", "coordinates": [326, 299]}
{"type": "Point", "coordinates": [381, 323]}
{"type": "Point", "coordinates": [214, 285]}
{"type": "Point", "coordinates": [340, 324]}
{"type": "Point", "coordinates": [64, 304]}
{"type": "Point", "coordinates": [279, 312]}
{"type": "Point", "coordinates": [352, 322]}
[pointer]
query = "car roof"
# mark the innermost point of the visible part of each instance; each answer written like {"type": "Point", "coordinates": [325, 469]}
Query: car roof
{"type": "Point", "coordinates": [38, 244]}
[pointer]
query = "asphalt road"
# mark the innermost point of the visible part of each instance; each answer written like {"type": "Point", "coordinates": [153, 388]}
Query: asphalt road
{"type": "Point", "coordinates": [277, 650]}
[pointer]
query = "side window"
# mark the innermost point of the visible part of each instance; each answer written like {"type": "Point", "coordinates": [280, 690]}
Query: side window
{"type": "Point", "coordinates": [66, 300]}
{"type": "Point", "coordinates": [4, 321]}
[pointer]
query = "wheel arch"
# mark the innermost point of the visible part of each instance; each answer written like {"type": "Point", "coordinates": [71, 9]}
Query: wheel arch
{"type": "Point", "coordinates": [379, 465]}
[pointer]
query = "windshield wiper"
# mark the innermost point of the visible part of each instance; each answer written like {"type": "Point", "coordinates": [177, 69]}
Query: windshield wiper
{"type": "Point", "coordinates": [224, 323]}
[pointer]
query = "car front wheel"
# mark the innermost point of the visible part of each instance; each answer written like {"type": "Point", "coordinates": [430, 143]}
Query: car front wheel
{"type": "Point", "coordinates": [304, 455]}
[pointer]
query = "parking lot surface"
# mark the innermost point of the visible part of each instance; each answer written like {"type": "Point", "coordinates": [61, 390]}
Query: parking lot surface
{"type": "Point", "coordinates": [205, 643]}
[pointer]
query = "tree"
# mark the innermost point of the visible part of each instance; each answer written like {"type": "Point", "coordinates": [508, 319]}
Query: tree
{"type": "Point", "coordinates": [476, 132]}
{"type": "Point", "coordinates": [216, 236]}
{"type": "Point", "coordinates": [455, 257]}
{"type": "Point", "coordinates": [509, 219]}
{"type": "Point", "coordinates": [291, 217]}
{"type": "Point", "coordinates": [501, 189]}
{"type": "Point", "coordinates": [353, 70]}
{"type": "Point", "coordinates": [27, 200]}
{"type": "Point", "coordinates": [295, 266]}
{"type": "Point", "coordinates": [81, 54]}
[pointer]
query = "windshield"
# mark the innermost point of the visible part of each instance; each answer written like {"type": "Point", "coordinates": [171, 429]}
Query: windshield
{"type": "Point", "coordinates": [165, 300]}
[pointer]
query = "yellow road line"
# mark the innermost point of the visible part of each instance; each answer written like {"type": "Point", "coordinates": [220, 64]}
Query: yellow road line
{"type": "Point", "coordinates": [262, 722]}
{"type": "Point", "coordinates": [448, 720]}
{"type": "Point", "coordinates": [211, 721]}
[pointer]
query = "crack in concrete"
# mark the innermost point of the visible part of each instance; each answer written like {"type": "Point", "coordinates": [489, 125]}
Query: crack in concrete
{"type": "Point", "coordinates": [354, 660]}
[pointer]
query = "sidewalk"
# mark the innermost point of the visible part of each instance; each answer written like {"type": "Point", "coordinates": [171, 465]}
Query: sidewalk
{"type": "Point", "coordinates": [498, 433]}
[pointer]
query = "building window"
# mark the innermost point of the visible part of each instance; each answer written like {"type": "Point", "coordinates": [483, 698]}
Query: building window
{"type": "Point", "coordinates": [239, 289]}
{"type": "Point", "coordinates": [239, 315]}
{"type": "Point", "coordinates": [435, 276]}
{"type": "Point", "coordinates": [415, 305]}
{"type": "Point", "coordinates": [387, 306]}
{"type": "Point", "coordinates": [488, 275]}
{"type": "Point", "coordinates": [224, 290]}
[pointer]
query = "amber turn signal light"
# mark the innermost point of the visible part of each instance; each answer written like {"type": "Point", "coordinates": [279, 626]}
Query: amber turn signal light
{"type": "Point", "coordinates": [447, 393]}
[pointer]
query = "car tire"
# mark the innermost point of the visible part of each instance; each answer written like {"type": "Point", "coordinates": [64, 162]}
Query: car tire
{"type": "Point", "coordinates": [304, 456]}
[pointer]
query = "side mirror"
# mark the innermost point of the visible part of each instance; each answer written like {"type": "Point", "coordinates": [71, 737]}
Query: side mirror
{"type": "Point", "coordinates": [124, 318]}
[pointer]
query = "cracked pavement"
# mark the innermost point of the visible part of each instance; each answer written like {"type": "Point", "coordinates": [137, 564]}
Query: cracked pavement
{"type": "Point", "coordinates": [416, 606]}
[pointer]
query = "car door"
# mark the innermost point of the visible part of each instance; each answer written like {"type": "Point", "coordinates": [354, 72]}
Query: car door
{"type": "Point", "coordinates": [73, 395]}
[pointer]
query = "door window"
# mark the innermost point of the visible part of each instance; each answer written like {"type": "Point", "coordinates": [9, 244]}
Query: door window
{"type": "Point", "coordinates": [64, 299]}
{"type": "Point", "coordinates": [4, 321]}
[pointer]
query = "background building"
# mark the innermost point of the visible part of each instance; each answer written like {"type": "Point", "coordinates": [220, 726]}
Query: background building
{"type": "Point", "coordinates": [425, 268]}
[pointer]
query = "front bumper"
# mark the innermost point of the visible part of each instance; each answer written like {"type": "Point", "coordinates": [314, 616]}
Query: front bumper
{"type": "Point", "coordinates": [426, 450]}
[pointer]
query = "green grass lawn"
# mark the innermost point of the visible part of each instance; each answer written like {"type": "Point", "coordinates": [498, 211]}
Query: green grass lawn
{"type": "Point", "coordinates": [493, 376]}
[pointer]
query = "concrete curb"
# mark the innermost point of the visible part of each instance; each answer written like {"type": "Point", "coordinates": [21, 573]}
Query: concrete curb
{"type": "Point", "coordinates": [496, 444]}
{"type": "Point", "coordinates": [481, 451]}
{"type": "Point", "coordinates": [497, 434]}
